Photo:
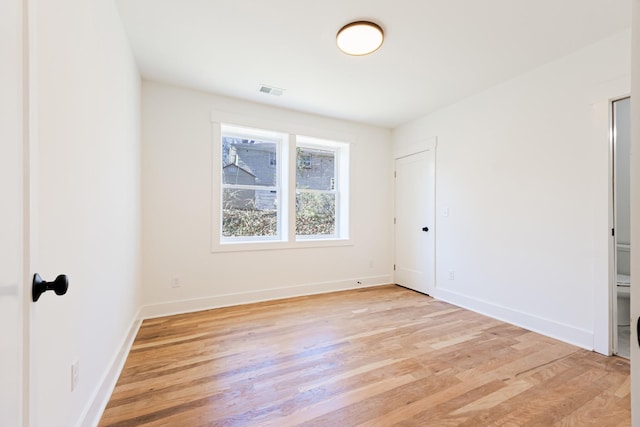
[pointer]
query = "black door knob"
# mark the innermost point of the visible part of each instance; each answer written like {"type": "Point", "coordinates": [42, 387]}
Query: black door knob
{"type": "Point", "coordinates": [39, 286]}
{"type": "Point", "coordinates": [425, 229]}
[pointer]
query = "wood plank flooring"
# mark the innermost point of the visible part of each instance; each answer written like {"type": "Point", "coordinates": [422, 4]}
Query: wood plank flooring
{"type": "Point", "coordinates": [381, 356]}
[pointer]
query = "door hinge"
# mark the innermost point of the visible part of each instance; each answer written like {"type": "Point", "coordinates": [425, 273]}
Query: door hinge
{"type": "Point", "coordinates": [394, 267]}
{"type": "Point", "coordinates": [394, 220]}
{"type": "Point", "coordinates": [613, 232]}
{"type": "Point", "coordinates": [395, 174]}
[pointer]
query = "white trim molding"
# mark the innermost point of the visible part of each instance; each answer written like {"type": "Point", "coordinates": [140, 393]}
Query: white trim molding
{"type": "Point", "coordinates": [227, 300]}
{"type": "Point", "coordinates": [102, 393]}
{"type": "Point", "coordinates": [405, 150]}
{"type": "Point", "coordinates": [567, 333]}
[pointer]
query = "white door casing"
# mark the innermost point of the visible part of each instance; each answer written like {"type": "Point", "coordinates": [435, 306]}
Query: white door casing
{"type": "Point", "coordinates": [415, 221]}
{"type": "Point", "coordinates": [635, 214]}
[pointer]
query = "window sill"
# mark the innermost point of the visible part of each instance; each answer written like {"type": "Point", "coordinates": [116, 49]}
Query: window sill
{"type": "Point", "coordinates": [265, 246]}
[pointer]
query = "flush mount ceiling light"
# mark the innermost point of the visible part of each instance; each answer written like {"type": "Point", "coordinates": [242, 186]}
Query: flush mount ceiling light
{"type": "Point", "coordinates": [360, 38]}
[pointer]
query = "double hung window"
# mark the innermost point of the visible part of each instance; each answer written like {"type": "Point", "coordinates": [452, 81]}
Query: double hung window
{"type": "Point", "coordinates": [280, 189]}
{"type": "Point", "coordinates": [251, 184]}
{"type": "Point", "coordinates": [317, 198]}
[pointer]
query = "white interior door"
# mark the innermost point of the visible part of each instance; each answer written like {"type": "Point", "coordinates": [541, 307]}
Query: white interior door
{"type": "Point", "coordinates": [415, 221]}
{"type": "Point", "coordinates": [52, 203]}
{"type": "Point", "coordinates": [11, 215]}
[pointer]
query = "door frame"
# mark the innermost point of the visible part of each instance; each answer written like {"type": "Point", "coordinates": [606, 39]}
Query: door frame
{"type": "Point", "coordinates": [635, 209]}
{"type": "Point", "coordinates": [613, 240]}
{"type": "Point", "coordinates": [19, 58]}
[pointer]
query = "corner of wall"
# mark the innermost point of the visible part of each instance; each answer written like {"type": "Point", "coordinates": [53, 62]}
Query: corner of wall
{"type": "Point", "coordinates": [102, 393]}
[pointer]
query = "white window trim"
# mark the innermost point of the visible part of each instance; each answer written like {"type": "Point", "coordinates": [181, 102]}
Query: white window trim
{"type": "Point", "coordinates": [286, 156]}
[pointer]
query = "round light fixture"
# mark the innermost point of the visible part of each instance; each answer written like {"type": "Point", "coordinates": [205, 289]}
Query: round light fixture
{"type": "Point", "coordinates": [360, 38]}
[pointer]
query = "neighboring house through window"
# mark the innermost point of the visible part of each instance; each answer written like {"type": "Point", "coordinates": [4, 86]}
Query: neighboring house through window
{"type": "Point", "coordinates": [250, 185]}
{"type": "Point", "coordinates": [316, 198]}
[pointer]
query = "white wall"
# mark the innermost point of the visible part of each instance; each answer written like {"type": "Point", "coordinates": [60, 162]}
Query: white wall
{"type": "Point", "coordinates": [86, 207]}
{"type": "Point", "coordinates": [177, 217]}
{"type": "Point", "coordinates": [523, 169]}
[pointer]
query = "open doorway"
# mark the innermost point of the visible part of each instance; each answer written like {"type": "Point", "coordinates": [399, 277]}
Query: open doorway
{"type": "Point", "coordinates": [621, 149]}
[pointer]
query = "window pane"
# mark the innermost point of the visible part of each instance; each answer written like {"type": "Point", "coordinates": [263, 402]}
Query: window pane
{"type": "Point", "coordinates": [248, 161]}
{"type": "Point", "coordinates": [247, 213]}
{"type": "Point", "coordinates": [315, 214]}
{"type": "Point", "coordinates": [315, 169]}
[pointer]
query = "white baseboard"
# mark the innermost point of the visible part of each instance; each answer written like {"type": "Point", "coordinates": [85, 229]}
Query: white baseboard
{"type": "Point", "coordinates": [98, 402]}
{"type": "Point", "coordinates": [206, 303]}
{"type": "Point", "coordinates": [550, 328]}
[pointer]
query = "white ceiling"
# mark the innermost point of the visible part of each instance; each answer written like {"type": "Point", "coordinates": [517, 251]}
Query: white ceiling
{"type": "Point", "coordinates": [435, 51]}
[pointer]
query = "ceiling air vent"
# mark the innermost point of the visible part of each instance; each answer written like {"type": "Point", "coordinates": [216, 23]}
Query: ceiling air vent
{"type": "Point", "coordinates": [271, 90]}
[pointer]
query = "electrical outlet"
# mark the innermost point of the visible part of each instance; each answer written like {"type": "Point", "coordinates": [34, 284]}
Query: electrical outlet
{"type": "Point", "coordinates": [175, 282]}
{"type": "Point", "coordinates": [75, 374]}
{"type": "Point", "coordinates": [452, 275]}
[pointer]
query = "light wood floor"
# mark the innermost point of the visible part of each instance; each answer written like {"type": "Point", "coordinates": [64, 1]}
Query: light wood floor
{"type": "Point", "coordinates": [382, 356]}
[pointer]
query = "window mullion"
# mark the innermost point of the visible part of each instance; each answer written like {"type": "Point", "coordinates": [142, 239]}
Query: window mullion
{"type": "Point", "coordinates": [291, 169]}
